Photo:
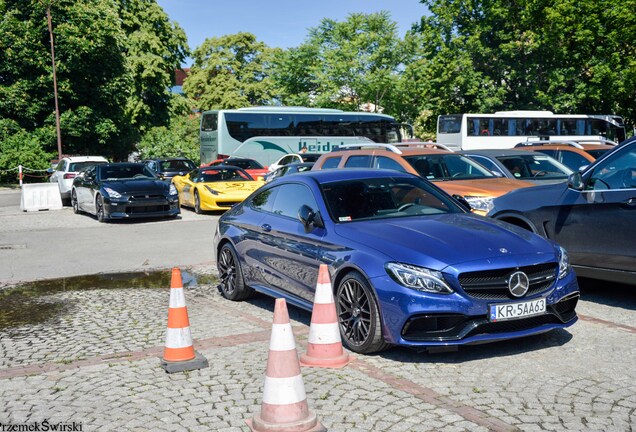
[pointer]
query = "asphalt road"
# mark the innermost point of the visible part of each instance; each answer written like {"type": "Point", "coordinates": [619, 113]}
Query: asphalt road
{"type": "Point", "coordinates": [58, 243]}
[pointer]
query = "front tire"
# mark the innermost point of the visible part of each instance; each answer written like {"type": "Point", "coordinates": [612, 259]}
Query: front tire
{"type": "Point", "coordinates": [231, 282]}
{"type": "Point", "coordinates": [99, 209]}
{"type": "Point", "coordinates": [358, 315]}
{"type": "Point", "coordinates": [74, 202]}
{"type": "Point", "coordinates": [197, 203]}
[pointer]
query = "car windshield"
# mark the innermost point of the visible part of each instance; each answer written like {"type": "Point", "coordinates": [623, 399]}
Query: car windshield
{"type": "Point", "coordinates": [596, 153]}
{"type": "Point", "coordinates": [78, 166]}
{"type": "Point", "coordinates": [125, 172]}
{"type": "Point", "coordinates": [218, 175]}
{"type": "Point", "coordinates": [447, 167]}
{"type": "Point", "coordinates": [244, 163]}
{"type": "Point", "coordinates": [534, 167]}
{"type": "Point", "coordinates": [176, 165]}
{"type": "Point", "coordinates": [383, 198]}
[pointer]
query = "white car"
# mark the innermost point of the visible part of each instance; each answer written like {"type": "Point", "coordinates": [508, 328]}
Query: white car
{"type": "Point", "coordinates": [294, 158]}
{"type": "Point", "coordinates": [66, 170]}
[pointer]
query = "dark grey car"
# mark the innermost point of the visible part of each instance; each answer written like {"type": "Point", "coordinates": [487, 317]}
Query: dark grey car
{"type": "Point", "coordinates": [592, 215]}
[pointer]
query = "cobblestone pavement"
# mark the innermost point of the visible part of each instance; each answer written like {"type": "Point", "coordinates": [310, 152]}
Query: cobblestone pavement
{"type": "Point", "coordinates": [94, 360]}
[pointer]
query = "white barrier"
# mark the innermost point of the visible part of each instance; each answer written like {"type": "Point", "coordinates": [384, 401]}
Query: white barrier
{"type": "Point", "coordinates": [40, 196]}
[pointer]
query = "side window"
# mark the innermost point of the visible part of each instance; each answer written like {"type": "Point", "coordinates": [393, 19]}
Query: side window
{"type": "Point", "coordinates": [331, 162]}
{"type": "Point", "coordinates": [264, 201]}
{"type": "Point", "coordinates": [363, 161]}
{"type": "Point", "coordinates": [388, 163]}
{"type": "Point", "coordinates": [291, 197]}
{"type": "Point", "coordinates": [486, 162]}
{"type": "Point", "coordinates": [616, 172]}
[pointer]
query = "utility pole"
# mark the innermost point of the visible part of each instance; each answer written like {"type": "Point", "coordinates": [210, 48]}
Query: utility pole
{"type": "Point", "coordinates": [57, 109]}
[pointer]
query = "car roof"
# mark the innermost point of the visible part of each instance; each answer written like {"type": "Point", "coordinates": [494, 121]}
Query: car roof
{"type": "Point", "coordinates": [501, 152]}
{"type": "Point", "coordinates": [85, 158]}
{"type": "Point", "coordinates": [331, 175]}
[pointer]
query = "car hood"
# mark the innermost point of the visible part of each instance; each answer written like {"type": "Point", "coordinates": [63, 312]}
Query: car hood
{"type": "Point", "coordinates": [492, 187]}
{"type": "Point", "coordinates": [234, 186]}
{"type": "Point", "coordinates": [440, 241]}
{"type": "Point", "coordinates": [138, 186]}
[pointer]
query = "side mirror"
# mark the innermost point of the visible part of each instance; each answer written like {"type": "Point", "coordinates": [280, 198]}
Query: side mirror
{"type": "Point", "coordinates": [497, 173]}
{"type": "Point", "coordinates": [462, 201]}
{"type": "Point", "coordinates": [50, 170]}
{"type": "Point", "coordinates": [309, 218]}
{"type": "Point", "coordinates": [575, 181]}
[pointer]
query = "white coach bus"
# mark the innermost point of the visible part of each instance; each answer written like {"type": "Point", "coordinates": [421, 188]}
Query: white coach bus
{"type": "Point", "coordinates": [267, 133]}
{"type": "Point", "coordinates": [505, 129]}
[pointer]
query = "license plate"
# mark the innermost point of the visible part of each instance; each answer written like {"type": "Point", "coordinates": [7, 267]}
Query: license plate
{"type": "Point", "coordinates": [510, 311]}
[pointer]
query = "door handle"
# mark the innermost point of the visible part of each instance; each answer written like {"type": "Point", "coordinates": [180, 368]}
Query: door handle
{"type": "Point", "coordinates": [629, 203]}
{"type": "Point", "coordinates": [266, 227]}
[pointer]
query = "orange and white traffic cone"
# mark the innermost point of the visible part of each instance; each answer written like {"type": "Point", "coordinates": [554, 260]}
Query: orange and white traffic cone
{"type": "Point", "coordinates": [179, 354]}
{"type": "Point", "coordinates": [284, 406]}
{"type": "Point", "coordinates": [324, 347]}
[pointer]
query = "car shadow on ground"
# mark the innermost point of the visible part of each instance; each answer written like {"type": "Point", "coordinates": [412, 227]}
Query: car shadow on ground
{"type": "Point", "coordinates": [463, 354]}
{"type": "Point", "coordinates": [608, 293]}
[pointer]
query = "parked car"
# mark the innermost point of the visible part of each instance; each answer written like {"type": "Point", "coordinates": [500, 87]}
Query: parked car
{"type": "Point", "coordinates": [571, 153]}
{"type": "Point", "coordinates": [593, 215]}
{"type": "Point", "coordinates": [292, 168]}
{"type": "Point", "coordinates": [214, 188]}
{"type": "Point", "coordinates": [66, 170]}
{"type": "Point", "coordinates": [167, 168]}
{"type": "Point", "coordinates": [521, 165]}
{"type": "Point", "coordinates": [122, 191]}
{"type": "Point", "coordinates": [456, 174]}
{"type": "Point", "coordinates": [409, 265]}
{"type": "Point", "coordinates": [294, 158]}
{"type": "Point", "coordinates": [250, 166]}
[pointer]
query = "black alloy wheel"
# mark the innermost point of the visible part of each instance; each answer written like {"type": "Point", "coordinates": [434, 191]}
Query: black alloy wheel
{"type": "Point", "coordinates": [99, 208]}
{"type": "Point", "coordinates": [197, 203]}
{"type": "Point", "coordinates": [231, 281]}
{"type": "Point", "coordinates": [358, 315]}
{"type": "Point", "coordinates": [74, 202]}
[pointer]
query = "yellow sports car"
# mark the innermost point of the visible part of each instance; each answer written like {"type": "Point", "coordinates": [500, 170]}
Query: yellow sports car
{"type": "Point", "coordinates": [214, 188]}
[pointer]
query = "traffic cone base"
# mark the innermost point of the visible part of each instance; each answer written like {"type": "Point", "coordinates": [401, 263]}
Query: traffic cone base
{"type": "Point", "coordinates": [310, 424]}
{"type": "Point", "coordinates": [179, 354]}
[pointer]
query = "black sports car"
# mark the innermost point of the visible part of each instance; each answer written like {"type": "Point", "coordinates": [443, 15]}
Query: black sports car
{"type": "Point", "coordinates": [169, 167]}
{"type": "Point", "coordinates": [123, 190]}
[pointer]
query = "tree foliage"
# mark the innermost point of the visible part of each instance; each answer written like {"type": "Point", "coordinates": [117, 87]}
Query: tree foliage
{"type": "Point", "coordinates": [569, 56]}
{"type": "Point", "coordinates": [115, 62]}
{"type": "Point", "coordinates": [231, 71]}
{"type": "Point", "coordinates": [343, 64]}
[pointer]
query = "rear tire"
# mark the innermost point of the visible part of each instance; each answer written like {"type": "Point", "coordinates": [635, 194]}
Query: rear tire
{"type": "Point", "coordinates": [358, 315]}
{"type": "Point", "coordinates": [231, 282]}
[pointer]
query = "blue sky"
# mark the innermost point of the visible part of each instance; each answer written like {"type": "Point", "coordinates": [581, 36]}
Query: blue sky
{"type": "Point", "coordinates": [278, 23]}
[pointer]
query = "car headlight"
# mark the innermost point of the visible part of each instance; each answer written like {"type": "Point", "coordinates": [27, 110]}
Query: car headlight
{"type": "Point", "coordinates": [173, 189]}
{"type": "Point", "coordinates": [418, 278]}
{"type": "Point", "coordinates": [212, 191]}
{"type": "Point", "coordinates": [480, 203]}
{"type": "Point", "coordinates": [564, 263]}
{"type": "Point", "coordinates": [112, 193]}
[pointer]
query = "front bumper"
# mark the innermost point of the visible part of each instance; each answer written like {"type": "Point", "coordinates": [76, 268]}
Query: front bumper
{"type": "Point", "coordinates": [416, 319]}
{"type": "Point", "coordinates": [141, 207]}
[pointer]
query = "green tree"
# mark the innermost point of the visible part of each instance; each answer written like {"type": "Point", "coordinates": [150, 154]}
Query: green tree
{"type": "Point", "coordinates": [115, 63]}
{"type": "Point", "coordinates": [343, 64]}
{"type": "Point", "coordinates": [230, 71]}
{"type": "Point", "coordinates": [567, 56]}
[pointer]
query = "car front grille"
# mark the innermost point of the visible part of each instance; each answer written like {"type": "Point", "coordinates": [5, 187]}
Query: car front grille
{"type": "Point", "coordinates": [493, 284]}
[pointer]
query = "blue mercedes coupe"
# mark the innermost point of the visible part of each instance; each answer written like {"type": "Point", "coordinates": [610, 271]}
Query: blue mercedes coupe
{"type": "Point", "coordinates": [409, 265]}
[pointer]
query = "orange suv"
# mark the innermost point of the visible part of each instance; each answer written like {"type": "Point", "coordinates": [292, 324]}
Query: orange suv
{"type": "Point", "coordinates": [456, 174]}
{"type": "Point", "coordinates": [571, 153]}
